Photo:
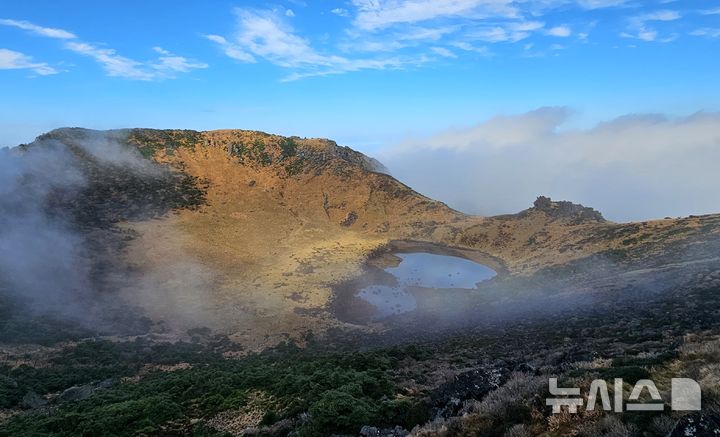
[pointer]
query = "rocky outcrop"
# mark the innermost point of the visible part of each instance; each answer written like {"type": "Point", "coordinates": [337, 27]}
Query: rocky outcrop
{"type": "Point", "coordinates": [32, 401]}
{"type": "Point", "coordinates": [80, 393]}
{"type": "Point", "coordinates": [448, 399]}
{"type": "Point", "coordinates": [566, 210]}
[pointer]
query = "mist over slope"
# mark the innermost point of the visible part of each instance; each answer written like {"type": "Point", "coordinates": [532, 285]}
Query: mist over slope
{"type": "Point", "coordinates": [63, 196]}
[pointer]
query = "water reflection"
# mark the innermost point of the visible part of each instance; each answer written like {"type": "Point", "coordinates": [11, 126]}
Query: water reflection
{"type": "Point", "coordinates": [422, 270]}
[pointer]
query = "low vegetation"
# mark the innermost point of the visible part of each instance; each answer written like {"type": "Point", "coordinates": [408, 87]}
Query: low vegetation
{"type": "Point", "coordinates": [340, 391]}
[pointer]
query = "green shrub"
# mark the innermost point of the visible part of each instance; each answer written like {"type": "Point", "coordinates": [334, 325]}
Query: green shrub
{"type": "Point", "coordinates": [288, 146]}
{"type": "Point", "coordinates": [341, 391]}
{"type": "Point", "coordinates": [338, 411]}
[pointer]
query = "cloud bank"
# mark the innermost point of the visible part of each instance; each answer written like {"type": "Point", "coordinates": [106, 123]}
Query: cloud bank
{"type": "Point", "coordinates": [634, 167]}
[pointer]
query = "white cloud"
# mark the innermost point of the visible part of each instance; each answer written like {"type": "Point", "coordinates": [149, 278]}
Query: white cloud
{"type": "Point", "coordinates": [169, 62]}
{"type": "Point", "coordinates": [665, 15]}
{"type": "Point", "coordinates": [39, 30]}
{"type": "Point", "coordinates": [642, 34]}
{"type": "Point", "coordinates": [289, 13]}
{"type": "Point", "coordinates": [408, 31]}
{"type": "Point", "coordinates": [707, 32]}
{"type": "Point", "coordinates": [373, 15]}
{"type": "Point", "coordinates": [560, 31]}
{"type": "Point", "coordinates": [11, 60]}
{"type": "Point", "coordinates": [508, 32]}
{"type": "Point", "coordinates": [378, 14]}
{"type": "Point", "coordinates": [639, 29]}
{"type": "Point", "coordinates": [346, 65]}
{"type": "Point", "coordinates": [419, 33]}
{"type": "Point", "coordinates": [632, 167]}
{"type": "Point", "coordinates": [597, 4]}
{"type": "Point", "coordinates": [341, 12]}
{"type": "Point", "coordinates": [373, 45]}
{"type": "Point", "coordinates": [264, 34]}
{"type": "Point", "coordinates": [714, 11]}
{"type": "Point", "coordinates": [116, 65]}
{"type": "Point", "coordinates": [462, 45]}
{"type": "Point", "coordinates": [442, 51]}
{"type": "Point", "coordinates": [164, 67]}
{"type": "Point", "coordinates": [408, 36]}
{"type": "Point", "coordinates": [231, 50]}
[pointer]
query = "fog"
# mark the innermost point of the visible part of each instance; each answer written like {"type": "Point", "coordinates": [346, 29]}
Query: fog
{"type": "Point", "coordinates": [635, 167]}
{"type": "Point", "coordinates": [57, 264]}
{"type": "Point", "coordinates": [40, 257]}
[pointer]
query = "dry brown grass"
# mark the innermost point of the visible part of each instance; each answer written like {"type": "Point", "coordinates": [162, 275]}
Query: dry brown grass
{"type": "Point", "coordinates": [235, 422]}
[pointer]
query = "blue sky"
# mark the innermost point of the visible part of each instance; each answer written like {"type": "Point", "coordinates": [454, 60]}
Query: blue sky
{"type": "Point", "coordinates": [372, 74]}
{"type": "Point", "coordinates": [422, 65]}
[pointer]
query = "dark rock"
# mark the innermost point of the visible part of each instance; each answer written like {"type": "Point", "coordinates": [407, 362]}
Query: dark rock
{"type": "Point", "coordinates": [32, 401]}
{"type": "Point", "coordinates": [78, 393]}
{"type": "Point", "coordinates": [282, 427]}
{"type": "Point", "coordinates": [698, 424]}
{"type": "Point", "coordinates": [543, 203]}
{"type": "Point", "coordinates": [106, 384]}
{"type": "Point", "coordinates": [567, 210]}
{"type": "Point", "coordinates": [252, 183]}
{"type": "Point", "coordinates": [349, 219]}
{"type": "Point", "coordinates": [448, 399]}
{"type": "Point", "coordinates": [398, 431]}
{"type": "Point", "coordinates": [525, 368]}
{"type": "Point", "coordinates": [371, 431]}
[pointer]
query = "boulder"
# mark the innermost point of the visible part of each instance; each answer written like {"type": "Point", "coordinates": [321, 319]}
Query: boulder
{"type": "Point", "coordinates": [448, 399]}
{"type": "Point", "coordinates": [33, 401]}
{"type": "Point", "coordinates": [77, 393]}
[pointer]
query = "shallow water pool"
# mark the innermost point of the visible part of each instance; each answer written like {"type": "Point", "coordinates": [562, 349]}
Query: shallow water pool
{"type": "Point", "coordinates": [424, 270]}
